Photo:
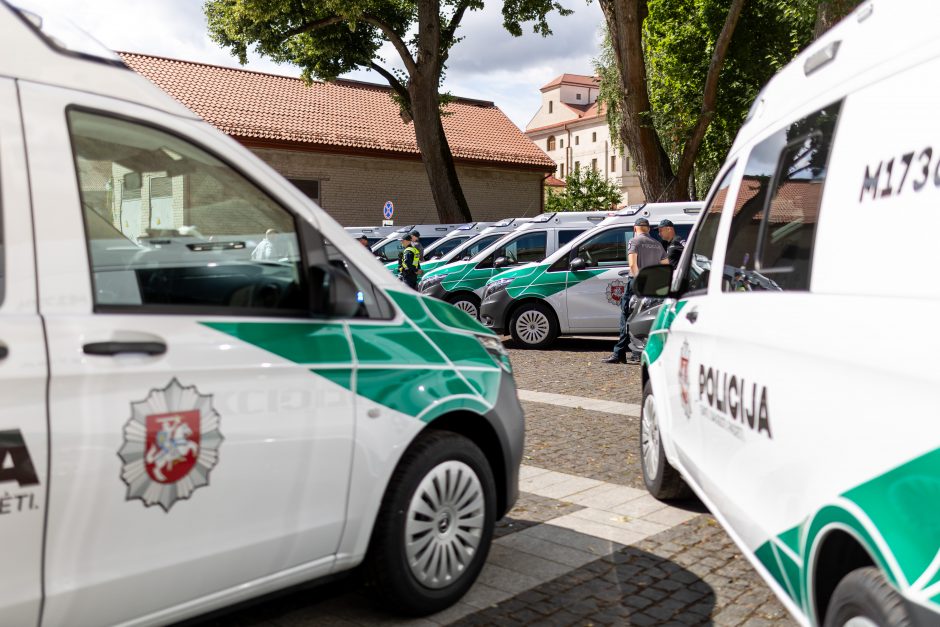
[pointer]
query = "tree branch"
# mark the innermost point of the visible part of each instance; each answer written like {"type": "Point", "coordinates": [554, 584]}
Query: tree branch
{"type": "Point", "coordinates": [710, 93]}
{"type": "Point", "coordinates": [447, 37]}
{"type": "Point", "coordinates": [396, 41]}
{"type": "Point", "coordinates": [393, 81]}
{"type": "Point", "coordinates": [314, 25]}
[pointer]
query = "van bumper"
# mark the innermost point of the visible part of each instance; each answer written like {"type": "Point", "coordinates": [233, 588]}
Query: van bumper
{"type": "Point", "coordinates": [493, 311]}
{"type": "Point", "coordinates": [508, 420]}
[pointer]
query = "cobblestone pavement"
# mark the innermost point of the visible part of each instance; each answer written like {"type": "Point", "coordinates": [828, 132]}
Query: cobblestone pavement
{"type": "Point", "coordinates": [585, 544]}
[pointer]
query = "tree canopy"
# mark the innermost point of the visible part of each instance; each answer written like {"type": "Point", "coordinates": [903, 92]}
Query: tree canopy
{"type": "Point", "coordinates": [585, 190]}
{"type": "Point", "coordinates": [679, 39]}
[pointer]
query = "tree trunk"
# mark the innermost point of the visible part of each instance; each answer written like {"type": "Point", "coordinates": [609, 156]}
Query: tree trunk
{"type": "Point", "coordinates": [435, 150]}
{"type": "Point", "coordinates": [625, 22]}
{"type": "Point", "coordinates": [831, 11]}
{"type": "Point", "coordinates": [423, 85]}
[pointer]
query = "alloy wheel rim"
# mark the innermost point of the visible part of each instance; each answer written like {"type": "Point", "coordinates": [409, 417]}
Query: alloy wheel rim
{"type": "Point", "coordinates": [649, 438]}
{"type": "Point", "coordinates": [532, 326]}
{"type": "Point", "coordinates": [444, 524]}
{"type": "Point", "coordinates": [860, 621]}
{"type": "Point", "coordinates": [467, 306]}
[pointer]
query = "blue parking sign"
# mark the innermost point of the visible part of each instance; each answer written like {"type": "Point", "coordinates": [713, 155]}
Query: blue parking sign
{"type": "Point", "coordinates": [388, 210]}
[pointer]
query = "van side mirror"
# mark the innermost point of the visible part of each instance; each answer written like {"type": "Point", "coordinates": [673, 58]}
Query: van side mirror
{"type": "Point", "coordinates": [578, 264]}
{"type": "Point", "coordinates": [653, 281]}
{"type": "Point", "coordinates": [501, 262]}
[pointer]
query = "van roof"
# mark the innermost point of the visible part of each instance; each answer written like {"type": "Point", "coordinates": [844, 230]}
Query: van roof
{"type": "Point", "coordinates": [43, 48]}
{"type": "Point", "coordinates": [877, 38]}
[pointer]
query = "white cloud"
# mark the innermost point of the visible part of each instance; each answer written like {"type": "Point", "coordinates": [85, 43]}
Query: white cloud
{"type": "Point", "coordinates": [489, 64]}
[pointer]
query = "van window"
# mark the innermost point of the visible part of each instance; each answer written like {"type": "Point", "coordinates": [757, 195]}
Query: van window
{"type": "Point", "coordinates": [523, 249]}
{"type": "Point", "coordinates": [770, 243]}
{"type": "Point", "coordinates": [480, 245]}
{"type": "Point", "coordinates": [170, 227]}
{"type": "Point", "coordinates": [445, 247]}
{"type": "Point", "coordinates": [607, 249]}
{"type": "Point", "coordinates": [567, 235]}
{"type": "Point", "coordinates": [697, 265]}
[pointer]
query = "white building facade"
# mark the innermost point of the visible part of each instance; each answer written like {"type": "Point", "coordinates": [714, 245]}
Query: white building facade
{"type": "Point", "coordinates": [571, 127]}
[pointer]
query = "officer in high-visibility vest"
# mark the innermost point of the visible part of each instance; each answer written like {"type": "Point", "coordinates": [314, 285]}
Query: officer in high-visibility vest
{"type": "Point", "coordinates": [409, 263]}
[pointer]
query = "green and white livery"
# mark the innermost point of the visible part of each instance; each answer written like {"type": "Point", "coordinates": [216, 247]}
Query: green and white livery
{"type": "Point", "coordinates": [577, 289]}
{"type": "Point", "coordinates": [461, 283]}
{"type": "Point", "coordinates": [806, 427]}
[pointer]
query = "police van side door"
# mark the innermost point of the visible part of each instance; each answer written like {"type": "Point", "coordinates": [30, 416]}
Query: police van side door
{"type": "Point", "coordinates": [23, 376]}
{"type": "Point", "coordinates": [196, 448]}
{"type": "Point", "coordinates": [681, 340]}
{"type": "Point", "coordinates": [593, 294]}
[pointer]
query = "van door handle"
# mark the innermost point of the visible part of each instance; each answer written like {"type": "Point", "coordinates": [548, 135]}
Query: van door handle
{"type": "Point", "coordinates": [120, 348]}
{"type": "Point", "coordinates": [691, 316]}
{"type": "Point", "coordinates": [4, 351]}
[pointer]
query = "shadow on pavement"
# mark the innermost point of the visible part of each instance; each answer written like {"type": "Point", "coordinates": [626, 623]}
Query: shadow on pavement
{"type": "Point", "coordinates": [578, 344]}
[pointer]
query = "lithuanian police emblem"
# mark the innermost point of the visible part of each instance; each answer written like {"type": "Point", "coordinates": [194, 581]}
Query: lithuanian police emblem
{"type": "Point", "coordinates": [615, 291]}
{"type": "Point", "coordinates": [171, 442]}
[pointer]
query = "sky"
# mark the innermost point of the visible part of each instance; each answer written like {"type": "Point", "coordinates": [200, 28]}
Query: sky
{"type": "Point", "coordinates": [489, 64]}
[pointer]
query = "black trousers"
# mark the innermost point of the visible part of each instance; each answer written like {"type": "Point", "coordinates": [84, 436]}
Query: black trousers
{"type": "Point", "coordinates": [622, 345]}
{"type": "Point", "coordinates": [410, 279]}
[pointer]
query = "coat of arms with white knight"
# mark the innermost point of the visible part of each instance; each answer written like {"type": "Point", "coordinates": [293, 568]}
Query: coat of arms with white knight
{"type": "Point", "coordinates": [171, 442]}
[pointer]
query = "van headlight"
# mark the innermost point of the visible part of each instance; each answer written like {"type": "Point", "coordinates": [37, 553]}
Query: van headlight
{"type": "Point", "coordinates": [497, 351]}
{"type": "Point", "coordinates": [431, 281]}
{"type": "Point", "coordinates": [496, 286]}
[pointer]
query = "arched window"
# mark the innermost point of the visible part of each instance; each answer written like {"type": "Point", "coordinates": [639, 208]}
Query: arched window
{"type": "Point", "coordinates": [551, 143]}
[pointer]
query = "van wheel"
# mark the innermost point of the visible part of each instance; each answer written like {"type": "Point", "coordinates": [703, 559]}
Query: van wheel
{"type": "Point", "coordinates": [468, 303]}
{"type": "Point", "coordinates": [434, 529]}
{"type": "Point", "coordinates": [533, 325]}
{"type": "Point", "coordinates": [864, 598]}
{"type": "Point", "coordinates": [661, 479]}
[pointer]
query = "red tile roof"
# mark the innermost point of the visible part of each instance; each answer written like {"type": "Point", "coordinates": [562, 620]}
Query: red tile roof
{"type": "Point", "coordinates": [554, 182]}
{"type": "Point", "coordinates": [359, 117]}
{"type": "Point", "coordinates": [578, 80]}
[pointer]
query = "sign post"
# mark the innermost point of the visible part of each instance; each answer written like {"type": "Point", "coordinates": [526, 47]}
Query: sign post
{"type": "Point", "coordinates": [387, 212]}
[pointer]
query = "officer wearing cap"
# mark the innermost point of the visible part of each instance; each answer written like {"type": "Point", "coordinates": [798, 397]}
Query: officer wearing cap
{"type": "Point", "coordinates": [674, 245]}
{"type": "Point", "coordinates": [642, 251]}
{"type": "Point", "coordinates": [362, 239]}
{"type": "Point", "coordinates": [416, 241]}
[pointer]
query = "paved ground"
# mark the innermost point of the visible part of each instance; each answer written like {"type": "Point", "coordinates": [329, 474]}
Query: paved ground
{"type": "Point", "coordinates": [585, 544]}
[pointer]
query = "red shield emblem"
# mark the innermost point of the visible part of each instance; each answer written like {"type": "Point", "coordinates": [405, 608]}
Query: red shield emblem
{"type": "Point", "coordinates": [172, 445]}
{"type": "Point", "coordinates": [615, 291]}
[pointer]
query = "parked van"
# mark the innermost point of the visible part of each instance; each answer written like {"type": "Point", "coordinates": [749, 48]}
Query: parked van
{"type": "Point", "coordinates": [374, 234]}
{"type": "Point", "coordinates": [807, 429]}
{"type": "Point", "coordinates": [467, 248]}
{"type": "Point", "coordinates": [388, 248]}
{"type": "Point", "coordinates": [577, 289]}
{"type": "Point", "coordinates": [189, 426]}
{"type": "Point", "coordinates": [461, 283]}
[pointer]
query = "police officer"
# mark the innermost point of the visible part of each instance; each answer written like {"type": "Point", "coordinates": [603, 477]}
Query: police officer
{"type": "Point", "coordinates": [642, 251]}
{"type": "Point", "coordinates": [409, 263]}
{"type": "Point", "coordinates": [362, 239]}
{"type": "Point", "coordinates": [674, 245]}
{"type": "Point", "coordinates": [416, 241]}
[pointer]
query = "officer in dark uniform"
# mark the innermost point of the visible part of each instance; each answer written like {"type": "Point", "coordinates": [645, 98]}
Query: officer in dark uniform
{"type": "Point", "coordinates": [674, 245]}
{"type": "Point", "coordinates": [409, 263]}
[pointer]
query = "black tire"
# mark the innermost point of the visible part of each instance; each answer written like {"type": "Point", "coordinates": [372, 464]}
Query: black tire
{"type": "Point", "coordinates": [664, 482]}
{"type": "Point", "coordinates": [387, 571]}
{"type": "Point", "coordinates": [525, 340]}
{"type": "Point", "coordinates": [465, 301]}
{"type": "Point", "coordinates": [865, 593]}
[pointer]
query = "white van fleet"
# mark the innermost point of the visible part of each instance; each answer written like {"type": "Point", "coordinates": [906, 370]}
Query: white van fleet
{"type": "Point", "coordinates": [461, 283]}
{"type": "Point", "coordinates": [248, 403]}
{"type": "Point", "coordinates": [809, 429]}
{"type": "Point", "coordinates": [576, 289]}
{"type": "Point", "coordinates": [428, 235]}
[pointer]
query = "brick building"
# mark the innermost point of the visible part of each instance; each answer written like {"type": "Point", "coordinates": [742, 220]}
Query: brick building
{"type": "Point", "coordinates": [571, 127]}
{"type": "Point", "coordinates": [345, 144]}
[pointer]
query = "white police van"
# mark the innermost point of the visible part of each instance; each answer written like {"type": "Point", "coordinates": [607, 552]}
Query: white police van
{"type": "Point", "coordinates": [807, 426]}
{"type": "Point", "coordinates": [461, 283]}
{"type": "Point", "coordinates": [577, 289]}
{"type": "Point", "coordinates": [428, 234]}
{"type": "Point", "coordinates": [467, 247]}
{"type": "Point", "coordinates": [249, 404]}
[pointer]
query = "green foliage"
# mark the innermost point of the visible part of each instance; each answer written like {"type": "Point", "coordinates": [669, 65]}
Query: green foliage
{"type": "Point", "coordinates": [679, 39]}
{"type": "Point", "coordinates": [328, 38]}
{"type": "Point", "coordinates": [585, 190]}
